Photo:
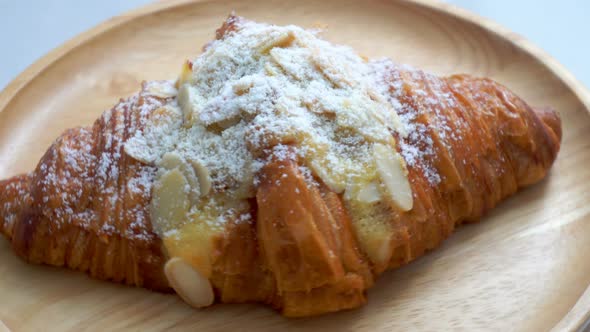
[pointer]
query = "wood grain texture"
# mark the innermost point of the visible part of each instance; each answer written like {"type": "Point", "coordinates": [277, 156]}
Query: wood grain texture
{"type": "Point", "coordinates": [524, 268]}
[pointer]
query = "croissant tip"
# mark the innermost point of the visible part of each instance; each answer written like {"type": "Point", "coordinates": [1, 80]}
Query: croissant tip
{"type": "Point", "coordinates": [551, 119]}
{"type": "Point", "coordinates": [12, 192]}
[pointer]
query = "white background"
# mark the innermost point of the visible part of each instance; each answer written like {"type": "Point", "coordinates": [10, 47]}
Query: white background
{"type": "Point", "coordinates": [31, 28]}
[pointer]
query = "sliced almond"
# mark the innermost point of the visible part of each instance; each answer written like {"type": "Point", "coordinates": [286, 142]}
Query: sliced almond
{"type": "Point", "coordinates": [190, 102]}
{"type": "Point", "coordinates": [383, 251]}
{"type": "Point", "coordinates": [329, 67]}
{"type": "Point", "coordinates": [369, 193]}
{"type": "Point", "coordinates": [189, 284]}
{"type": "Point", "coordinates": [171, 160]}
{"type": "Point", "coordinates": [186, 73]}
{"type": "Point", "coordinates": [333, 182]}
{"type": "Point", "coordinates": [393, 172]}
{"type": "Point", "coordinates": [282, 40]}
{"type": "Point", "coordinates": [170, 202]}
{"type": "Point", "coordinates": [203, 177]}
{"type": "Point", "coordinates": [161, 89]}
{"type": "Point", "coordinates": [363, 117]}
{"type": "Point", "coordinates": [289, 61]}
{"type": "Point", "coordinates": [271, 69]}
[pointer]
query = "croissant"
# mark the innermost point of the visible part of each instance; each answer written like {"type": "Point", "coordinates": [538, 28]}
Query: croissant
{"type": "Point", "coordinates": [304, 217]}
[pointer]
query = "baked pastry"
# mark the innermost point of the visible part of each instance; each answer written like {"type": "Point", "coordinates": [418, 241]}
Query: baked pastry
{"type": "Point", "coordinates": [278, 169]}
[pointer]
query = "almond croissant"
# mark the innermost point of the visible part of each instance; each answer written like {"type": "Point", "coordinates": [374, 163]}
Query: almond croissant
{"type": "Point", "coordinates": [305, 247]}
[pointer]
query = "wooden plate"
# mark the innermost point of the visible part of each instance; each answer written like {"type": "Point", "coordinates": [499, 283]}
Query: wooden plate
{"type": "Point", "coordinates": [524, 268]}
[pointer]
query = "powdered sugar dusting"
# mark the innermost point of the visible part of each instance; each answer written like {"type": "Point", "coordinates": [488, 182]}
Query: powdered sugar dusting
{"type": "Point", "coordinates": [263, 91]}
{"type": "Point", "coordinates": [14, 196]}
{"type": "Point", "coordinates": [87, 181]}
{"type": "Point", "coordinates": [141, 184]}
{"type": "Point", "coordinates": [422, 117]}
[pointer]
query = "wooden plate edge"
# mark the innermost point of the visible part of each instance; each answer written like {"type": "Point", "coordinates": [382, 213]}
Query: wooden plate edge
{"type": "Point", "coordinates": [516, 40]}
{"type": "Point", "coordinates": [578, 316]}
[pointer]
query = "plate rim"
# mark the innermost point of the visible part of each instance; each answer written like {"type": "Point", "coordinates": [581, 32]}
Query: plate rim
{"type": "Point", "coordinates": [577, 317]}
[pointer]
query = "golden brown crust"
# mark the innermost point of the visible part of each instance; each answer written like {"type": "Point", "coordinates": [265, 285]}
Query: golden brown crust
{"type": "Point", "coordinates": [86, 204]}
{"type": "Point", "coordinates": [307, 244]}
{"type": "Point", "coordinates": [504, 145]}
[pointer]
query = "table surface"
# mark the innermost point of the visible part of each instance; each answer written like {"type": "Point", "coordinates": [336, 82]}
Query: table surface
{"type": "Point", "coordinates": [31, 28]}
